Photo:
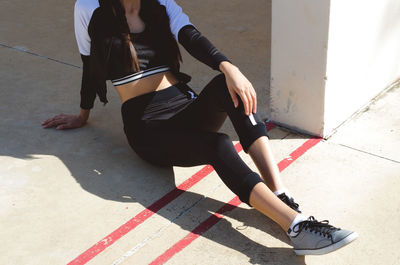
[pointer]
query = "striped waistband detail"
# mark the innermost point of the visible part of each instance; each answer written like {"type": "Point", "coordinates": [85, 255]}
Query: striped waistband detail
{"type": "Point", "coordinates": [141, 74]}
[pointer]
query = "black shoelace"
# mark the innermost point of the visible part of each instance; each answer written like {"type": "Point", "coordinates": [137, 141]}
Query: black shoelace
{"type": "Point", "coordinates": [312, 225]}
{"type": "Point", "coordinates": [289, 201]}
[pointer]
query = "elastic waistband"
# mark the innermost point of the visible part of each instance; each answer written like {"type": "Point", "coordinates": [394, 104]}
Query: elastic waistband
{"type": "Point", "coordinates": [139, 75]}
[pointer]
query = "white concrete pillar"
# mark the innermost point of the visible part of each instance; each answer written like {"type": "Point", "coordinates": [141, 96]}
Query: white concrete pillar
{"type": "Point", "coordinates": [329, 59]}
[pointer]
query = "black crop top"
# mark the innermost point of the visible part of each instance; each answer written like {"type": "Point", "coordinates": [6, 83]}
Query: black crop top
{"type": "Point", "coordinates": [149, 60]}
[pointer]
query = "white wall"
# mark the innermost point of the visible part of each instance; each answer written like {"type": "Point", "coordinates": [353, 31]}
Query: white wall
{"type": "Point", "coordinates": [363, 55]}
{"type": "Point", "coordinates": [330, 58]}
{"type": "Point", "coordinates": [299, 37]}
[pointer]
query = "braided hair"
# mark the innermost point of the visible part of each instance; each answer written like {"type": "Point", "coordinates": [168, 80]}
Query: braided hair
{"type": "Point", "coordinates": [157, 21]}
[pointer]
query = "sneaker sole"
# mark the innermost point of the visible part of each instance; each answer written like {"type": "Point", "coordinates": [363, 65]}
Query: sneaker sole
{"type": "Point", "coordinates": [327, 249]}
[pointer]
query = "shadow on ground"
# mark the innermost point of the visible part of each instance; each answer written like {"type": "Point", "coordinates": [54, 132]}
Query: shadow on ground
{"type": "Point", "coordinates": [120, 175]}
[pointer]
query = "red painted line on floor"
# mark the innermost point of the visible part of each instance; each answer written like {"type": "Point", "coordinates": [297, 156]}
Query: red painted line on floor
{"type": "Point", "coordinates": [198, 231]}
{"type": "Point", "coordinates": [216, 217]}
{"type": "Point", "coordinates": [141, 217]}
{"type": "Point", "coordinates": [148, 212]}
{"type": "Point", "coordinates": [298, 152]}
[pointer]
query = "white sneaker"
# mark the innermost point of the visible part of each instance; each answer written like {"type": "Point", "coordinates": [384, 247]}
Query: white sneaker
{"type": "Point", "coordinates": [317, 238]}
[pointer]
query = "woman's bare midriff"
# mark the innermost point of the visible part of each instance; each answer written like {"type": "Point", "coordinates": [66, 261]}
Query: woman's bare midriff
{"type": "Point", "coordinates": [146, 85]}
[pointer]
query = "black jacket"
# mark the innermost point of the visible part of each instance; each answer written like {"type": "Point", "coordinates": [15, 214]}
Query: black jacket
{"type": "Point", "coordinates": [102, 32]}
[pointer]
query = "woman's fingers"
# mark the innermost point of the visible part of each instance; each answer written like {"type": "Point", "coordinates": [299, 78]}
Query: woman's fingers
{"type": "Point", "coordinates": [254, 96]}
{"type": "Point", "coordinates": [47, 121]}
{"type": "Point", "coordinates": [52, 123]}
{"type": "Point", "coordinates": [52, 119]}
{"type": "Point", "coordinates": [63, 121]}
{"type": "Point", "coordinates": [245, 101]}
{"type": "Point", "coordinates": [56, 120]}
{"type": "Point", "coordinates": [246, 94]}
{"type": "Point", "coordinates": [63, 126]}
{"type": "Point", "coordinates": [240, 85]}
{"type": "Point", "coordinates": [251, 101]}
{"type": "Point", "coordinates": [234, 97]}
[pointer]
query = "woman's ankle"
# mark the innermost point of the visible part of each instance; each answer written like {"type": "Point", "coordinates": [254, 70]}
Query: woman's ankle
{"type": "Point", "coordinates": [281, 191]}
{"type": "Point", "coordinates": [299, 218]}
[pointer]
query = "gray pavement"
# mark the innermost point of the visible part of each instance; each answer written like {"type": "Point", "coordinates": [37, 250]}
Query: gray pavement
{"type": "Point", "coordinates": [64, 191]}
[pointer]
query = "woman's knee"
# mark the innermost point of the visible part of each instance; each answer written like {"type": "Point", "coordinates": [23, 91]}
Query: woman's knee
{"type": "Point", "coordinates": [218, 85]}
{"type": "Point", "coordinates": [231, 168]}
{"type": "Point", "coordinates": [221, 80]}
{"type": "Point", "coordinates": [222, 93]}
{"type": "Point", "coordinates": [217, 148]}
{"type": "Point", "coordinates": [220, 77]}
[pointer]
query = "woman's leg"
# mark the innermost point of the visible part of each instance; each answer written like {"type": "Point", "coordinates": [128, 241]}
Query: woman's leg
{"type": "Point", "coordinates": [209, 111]}
{"type": "Point", "coordinates": [178, 142]}
{"type": "Point", "coordinates": [266, 202]}
{"type": "Point", "coordinates": [161, 143]}
{"type": "Point", "coordinates": [261, 153]}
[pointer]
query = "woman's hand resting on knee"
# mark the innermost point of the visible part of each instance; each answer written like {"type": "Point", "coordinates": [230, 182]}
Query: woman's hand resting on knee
{"type": "Point", "coordinates": [65, 121]}
{"type": "Point", "coordinates": [238, 84]}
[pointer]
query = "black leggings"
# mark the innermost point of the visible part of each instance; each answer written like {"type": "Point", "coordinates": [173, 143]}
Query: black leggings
{"type": "Point", "coordinates": [177, 127]}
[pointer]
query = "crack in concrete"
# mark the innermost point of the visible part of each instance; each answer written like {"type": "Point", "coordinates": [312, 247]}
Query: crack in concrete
{"type": "Point", "coordinates": [366, 152]}
{"type": "Point", "coordinates": [38, 55]}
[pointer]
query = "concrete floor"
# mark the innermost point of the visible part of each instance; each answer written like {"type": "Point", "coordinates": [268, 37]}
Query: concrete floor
{"type": "Point", "coordinates": [64, 191]}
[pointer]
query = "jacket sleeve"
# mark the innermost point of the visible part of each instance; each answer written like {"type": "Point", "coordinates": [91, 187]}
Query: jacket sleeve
{"type": "Point", "coordinates": [88, 92]}
{"type": "Point", "coordinates": [190, 37]}
{"type": "Point", "coordinates": [177, 18]}
{"type": "Point", "coordinates": [82, 15]}
{"type": "Point", "coordinates": [83, 11]}
{"type": "Point", "coordinates": [200, 47]}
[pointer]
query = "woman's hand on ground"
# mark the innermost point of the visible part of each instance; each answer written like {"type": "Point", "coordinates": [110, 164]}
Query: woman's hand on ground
{"type": "Point", "coordinates": [238, 84]}
{"type": "Point", "coordinates": [64, 121]}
